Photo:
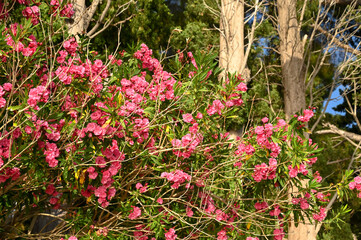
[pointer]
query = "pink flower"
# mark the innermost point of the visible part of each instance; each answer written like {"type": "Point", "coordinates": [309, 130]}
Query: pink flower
{"type": "Point", "coordinates": [222, 235]}
{"type": "Point", "coordinates": [160, 200]}
{"type": "Point", "coordinates": [278, 234]}
{"type": "Point", "coordinates": [357, 179]}
{"type": "Point", "coordinates": [187, 117]}
{"type": "Point", "coordinates": [242, 87]}
{"type": "Point", "coordinates": [72, 238]}
{"type": "Point", "coordinates": [135, 213]}
{"type": "Point", "coordinates": [352, 185]}
{"type": "Point", "coordinates": [101, 192]}
{"type": "Point", "coordinates": [2, 102]}
{"type": "Point", "coordinates": [189, 212]}
{"type": "Point", "coordinates": [265, 119]}
{"type": "Point", "coordinates": [307, 114]}
{"type": "Point", "coordinates": [53, 200]}
{"type": "Point", "coordinates": [8, 87]}
{"type": "Point", "coordinates": [321, 215]}
{"type": "Point", "coordinates": [260, 205]}
{"type": "Point", "coordinates": [199, 115]}
{"type": "Point", "coordinates": [92, 173]}
{"type": "Point", "coordinates": [50, 189]}
{"type": "Point", "coordinates": [170, 234]}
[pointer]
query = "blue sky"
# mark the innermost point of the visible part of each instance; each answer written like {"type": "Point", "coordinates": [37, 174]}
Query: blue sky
{"type": "Point", "coordinates": [336, 99]}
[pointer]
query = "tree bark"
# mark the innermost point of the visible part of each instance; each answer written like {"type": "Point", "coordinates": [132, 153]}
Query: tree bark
{"type": "Point", "coordinates": [77, 26]}
{"type": "Point", "coordinates": [292, 62]}
{"type": "Point", "coordinates": [293, 74]}
{"type": "Point", "coordinates": [232, 57]}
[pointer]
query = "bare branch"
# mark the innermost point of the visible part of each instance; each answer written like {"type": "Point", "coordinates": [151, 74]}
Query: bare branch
{"type": "Point", "coordinates": [104, 13]}
{"type": "Point", "coordinates": [338, 43]}
{"type": "Point", "coordinates": [335, 130]}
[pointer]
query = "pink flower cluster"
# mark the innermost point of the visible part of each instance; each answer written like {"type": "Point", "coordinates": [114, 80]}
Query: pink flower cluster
{"type": "Point", "coordinates": [307, 115]}
{"type": "Point", "coordinates": [32, 12]}
{"type": "Point", "coordinates": [264, 134]}
{"type": "Point", "coordinates": [104, 195]}
{"type": "Point", "coordinates": [222, 235]}
{"type": "Point", "coordinates": [189, 141]}
{"type": "Point", "coordinates": [216, 107]}
{"type": "Point", "coordinates": [278, 234]}
{"type": "Point", "coordinates": [7, 87]}
{"type": "Point", "coordinates": [207, 202]}
{"type": "Point", "coordinates": [264, 172]}
{"type": "Point", "coordinates": [19, 46]}
{"type": "Point", "coordinates": [4, 149]}
{"type": "Point", "coordinates": [321, 215]}
{"type": "Point", "coordinates": [177, 177]}
{"type": "Point", "coordinates": [54, 200]}
{"type": "Point", "coordinates": [356, 184]}
{"type": "Point", "coordinates": [276, 211]}
{"type": "Point", "coordinates": [141, 188]}
{"type": "Point", "coordinates": [67, 11]}
{"type": "Point", "coordinates": [51, 153]}
{"type": "Point", "coordinates": [259, 206]}
{"type": "Point", "coordinates": [135, 213]}
{"type": "Point", "coordinates": [170, 234]}
{"type": "Point", "coordinates": [141, 234]}
{"type": "Point", "coordinates": [7, 173]}
{"type": "Point", "coordinates": [38, 94]}
{"type": "Point", "coordinates": [302, 201]}
{"type": "Point", "coordinates": [293, 171]}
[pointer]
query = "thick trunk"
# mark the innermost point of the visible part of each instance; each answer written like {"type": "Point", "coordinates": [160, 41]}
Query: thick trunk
{"type": "Point", "coordinates": [291, 49]}
{"type": "Point", "coordinates": [79, 22]}
{"type": "Point", "coordinates": [292, 62]}
{"type": "Point", "coordinates": [232, 57]}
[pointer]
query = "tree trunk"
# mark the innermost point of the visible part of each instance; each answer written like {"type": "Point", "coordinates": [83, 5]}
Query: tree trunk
{"type": "Point", "coordinates": [231, 56]}
{"type": "Point", "coordinates": [293, 73]}
{"type": "Point", "coordinates": [291, 50]}
{"type": "Point", "coordinates": [78, 24]}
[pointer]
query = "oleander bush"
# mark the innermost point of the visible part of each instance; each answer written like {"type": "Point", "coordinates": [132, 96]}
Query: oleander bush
{"type": "Point", "coordinates": [118, 147]}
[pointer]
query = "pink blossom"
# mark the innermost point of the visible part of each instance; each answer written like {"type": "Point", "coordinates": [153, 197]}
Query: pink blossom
{"type": "Point", "coordinates": [242, 87]}
{"type": "Point", "coordinates": [189, 211]}
{"type": "Point", "coordinates": [199, 115]}
{"type": "Point", "coordinates": [222, 235]}
{"type": "Point", "coordinates": [307, 114]}
{"type": "Point", "coordinates": [357, 179]}
{"type": "Point", "coordinates": [92, 173]}
{"type": "Point", "coordinates": [101, 192]}
{"type": "Point", "coordinates": [260, 205]}
{"type": "Point", "coordinates": [278, 234]}
{"type": "Point", "coordinates": [135, 213]}
{"type": "Point", "coordinates": [265, 119]}
{"type": "Point", "coordinates": [160, 200]}
{"type": "Point", "coordinates": [72, 238]}
{"type": "Point", "coordinates": [321, 215]}
{"type": "Point", "coordinates": [2, 102]}
{"type": "Point", "coordinates": [8, 87]}
{"type": "Point", "coordinates": [170, 234]}
{"type": "Point", "coordinates": [53, 200]}
{"type": "Point", "coordinates": [187, 117]}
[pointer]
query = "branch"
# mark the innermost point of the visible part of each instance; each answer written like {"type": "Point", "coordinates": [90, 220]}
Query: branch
{"type": "Point", "coordinates": [343, 2]}
{"type": "Point", "coordinates": [338, 43]}
{"type": "Point", "coordinates": [334, 130]}
{"type": "Point", "coordinates": [92, 9]}
{"type": "Point", "coordinates": [104, 13]}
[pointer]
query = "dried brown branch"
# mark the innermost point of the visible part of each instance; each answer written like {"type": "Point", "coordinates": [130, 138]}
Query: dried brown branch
{"type": "Point", "coordinates": [338, 43]}
{"type": "Point", "coordinates": [332, 129]}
